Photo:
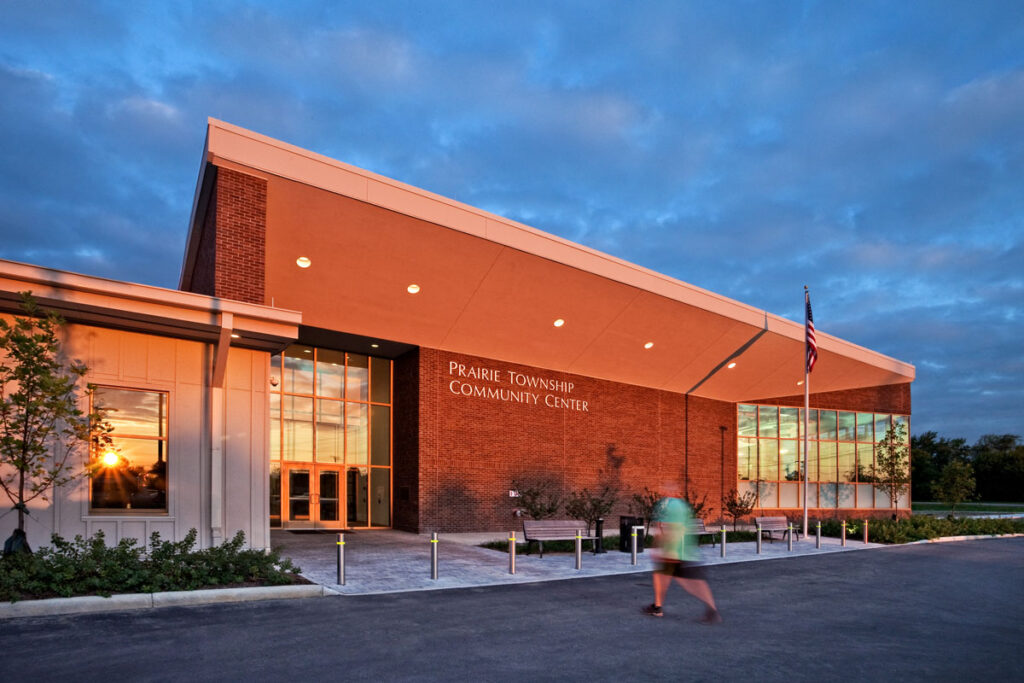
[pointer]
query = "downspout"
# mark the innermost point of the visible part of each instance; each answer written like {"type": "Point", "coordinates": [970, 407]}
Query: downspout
{"type": "Point", "coordinates": [686, 446]}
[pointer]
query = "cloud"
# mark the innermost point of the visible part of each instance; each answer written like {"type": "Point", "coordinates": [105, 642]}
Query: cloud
{"type": "Point", "coordinates": [871, 153]}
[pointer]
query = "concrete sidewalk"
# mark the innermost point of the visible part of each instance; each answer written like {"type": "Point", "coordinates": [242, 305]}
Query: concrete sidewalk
{"type": "Point", "coordinates": [389, 561]}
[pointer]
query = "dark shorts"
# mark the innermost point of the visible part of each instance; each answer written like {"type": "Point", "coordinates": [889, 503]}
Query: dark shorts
{"type": "Point", "coordinates": [681, 569]}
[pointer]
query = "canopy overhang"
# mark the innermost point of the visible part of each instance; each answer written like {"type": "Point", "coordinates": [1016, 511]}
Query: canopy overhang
{"type": "Point", "coordinates": [491, 287]}
{"type": "Point", "coordinates": [133, 307]}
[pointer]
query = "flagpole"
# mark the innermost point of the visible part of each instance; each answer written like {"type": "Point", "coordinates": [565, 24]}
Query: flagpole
{"type": "Point", "coordinates": [807, 406]}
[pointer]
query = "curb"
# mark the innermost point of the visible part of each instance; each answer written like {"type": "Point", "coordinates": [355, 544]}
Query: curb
{"type": "Point", "coordinates": [951, 539]}
{"type": "Point", "coordinates": [134, 601]}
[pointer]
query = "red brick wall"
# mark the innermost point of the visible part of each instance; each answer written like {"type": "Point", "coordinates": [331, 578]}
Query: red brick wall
{"type": "Point", "coordinates": [470, 448]}
{"type": "Point", "coordinates": [241, 216]}
{"type": "Point", "coordinates": [457, 455]}
{"type": "Point", "coordinates": [231, 256]}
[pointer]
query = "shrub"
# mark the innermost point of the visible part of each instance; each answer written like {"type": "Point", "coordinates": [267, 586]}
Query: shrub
{"type": "Point", "coordinates": [562, 546]}
{"type": "Point", "coordinates": [921, 527]}
{"type": "Point", "coordinates": [87, 566]}
{"type": "Point", "coordinates": [539, 498]}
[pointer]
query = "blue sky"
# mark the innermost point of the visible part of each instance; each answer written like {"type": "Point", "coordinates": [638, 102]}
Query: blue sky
{"type": "Point", "coordinates": [872, 150]}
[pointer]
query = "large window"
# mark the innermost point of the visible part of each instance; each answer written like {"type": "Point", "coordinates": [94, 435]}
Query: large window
{"type": "Point", "coordinates": [841, 450]}
{"type": "Point", "coordinates": [130, 473]}
{"type": "Point", "coordinates": [330, 439]}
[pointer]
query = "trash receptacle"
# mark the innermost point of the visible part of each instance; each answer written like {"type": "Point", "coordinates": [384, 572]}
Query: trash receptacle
{"type": "Point", "coordinates": [626, 525]}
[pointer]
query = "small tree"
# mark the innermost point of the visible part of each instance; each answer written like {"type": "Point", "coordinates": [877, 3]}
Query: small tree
{"type": "Point", "coordinates": [643, 504]}
{"type": "Point", "coordinates": [892, 463]}
{"type": "Point", "coordinates": [955, 485]}
{"type": "Point", "coordinates": [737, 506]}
{"type": "Point", "coordinates": [539, 498]}
{"type": "Point", "coordinates": [700, 507]}
{"type": "Point", "coordinates": [41, 424]}
{"type": "Point", "coordinates": [589, 507]}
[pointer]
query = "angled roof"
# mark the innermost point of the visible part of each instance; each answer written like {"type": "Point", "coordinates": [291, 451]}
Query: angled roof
{"type": "Point", "coordinates": [492, 287]}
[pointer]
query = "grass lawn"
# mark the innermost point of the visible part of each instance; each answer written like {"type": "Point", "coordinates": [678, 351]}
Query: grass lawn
{"type": "Point", "coordinates": [994, 508]}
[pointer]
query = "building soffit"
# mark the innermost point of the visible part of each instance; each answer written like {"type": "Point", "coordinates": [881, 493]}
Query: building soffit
{"type": "Point", "coordinates": [492, 288]}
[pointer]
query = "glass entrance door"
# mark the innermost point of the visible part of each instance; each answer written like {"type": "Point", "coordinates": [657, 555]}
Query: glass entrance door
{"type": "Point", "coordinates": [329, 498]}
{"type": "Point", "coordinates": [313, 497]}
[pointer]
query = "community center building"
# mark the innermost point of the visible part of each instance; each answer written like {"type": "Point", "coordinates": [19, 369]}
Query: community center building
{"type": "Point", "coordinates": [346, 351]}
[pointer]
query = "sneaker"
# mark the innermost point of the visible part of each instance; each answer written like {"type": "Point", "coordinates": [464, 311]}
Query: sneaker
{"type": "Point", "coordinates": [654, 610]}
{"type": "Point", "coordinates": [712, 616]}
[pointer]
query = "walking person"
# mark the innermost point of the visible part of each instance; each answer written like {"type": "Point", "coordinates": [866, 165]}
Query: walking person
{"type": "Point", "coordinates": [677, 556]}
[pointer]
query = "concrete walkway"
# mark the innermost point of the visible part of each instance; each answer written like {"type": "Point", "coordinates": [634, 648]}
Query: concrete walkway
{"type": "Point", "coordinates": [388, 561]}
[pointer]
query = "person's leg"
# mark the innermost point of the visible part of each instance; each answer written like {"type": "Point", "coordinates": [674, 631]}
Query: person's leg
{"type": "Point", "coordinates": [661, 582]}
{"type": "Point", "coordinates": [699, 589]}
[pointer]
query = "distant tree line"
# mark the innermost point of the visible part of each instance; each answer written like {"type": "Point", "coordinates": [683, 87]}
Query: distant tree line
{"type": "Point", "coordinates": [995, 463]}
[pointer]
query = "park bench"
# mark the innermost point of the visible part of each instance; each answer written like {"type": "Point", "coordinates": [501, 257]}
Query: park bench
{"type": "Point", "coordinates": [698, 529]}
{"type": "Point", "coordinates": [771, 525]}
{"type": "Point", "coordinates": [540, 530]}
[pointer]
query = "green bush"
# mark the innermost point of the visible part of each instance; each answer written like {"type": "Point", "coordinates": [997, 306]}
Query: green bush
{"type": "Point", "coordinates": [733, 537]}
{"type": "Point", "coordinates": [921, 527]}
{"type": "Point", "coordinates": [610, 543]}
{"type": "Point", "coordinates": [87, 566]}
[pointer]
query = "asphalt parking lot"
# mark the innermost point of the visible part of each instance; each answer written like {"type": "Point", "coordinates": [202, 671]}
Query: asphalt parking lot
{"type": "Point", "coordinates": [921, 612]}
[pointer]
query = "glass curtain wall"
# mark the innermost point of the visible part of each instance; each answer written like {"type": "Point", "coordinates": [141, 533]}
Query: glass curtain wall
{"type": "Point", "coordinates": [840, 463]}
{"type": "Point", "coordinates": [330, 438]}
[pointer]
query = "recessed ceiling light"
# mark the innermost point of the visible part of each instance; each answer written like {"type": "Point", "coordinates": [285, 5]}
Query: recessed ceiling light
{"type": "Point", "coordinates": [648, 345]}
{"type": "Point", "coordinates": [412, 289]}
{"type": "Point", "coordinates": [800, 383]}
{"type": "Point", "coordinates": [559, 322]}
{"type": "Point", "coordinates": [234, 336]}
{"type": "Point", "coordinates": [374, 346]}
{"type": "Point", "coordinates": [731, 365]}
{"type": "Point", "coordinates": [306, 351]}
{"type": "Point", "coordinates": [303, 262]}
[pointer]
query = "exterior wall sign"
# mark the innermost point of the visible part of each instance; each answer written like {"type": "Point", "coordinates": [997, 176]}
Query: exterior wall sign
{"type": "Point", "coordinates": [515, 387]}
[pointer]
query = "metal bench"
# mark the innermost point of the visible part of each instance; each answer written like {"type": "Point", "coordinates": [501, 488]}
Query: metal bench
{"type": "Point", "coordinates": [771, 525]}
{"type": "Point", "coordinates": [698, 529]}
{"type": "Point", "coordinates": [540, 530]}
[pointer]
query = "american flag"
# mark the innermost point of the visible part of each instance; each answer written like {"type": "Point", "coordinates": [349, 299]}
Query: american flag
{"type": "Point", "coordinates": [812, 346]}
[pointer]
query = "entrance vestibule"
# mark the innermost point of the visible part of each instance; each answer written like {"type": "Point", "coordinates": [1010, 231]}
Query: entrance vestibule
{"type": "Point", "coordinates": [331, 425]}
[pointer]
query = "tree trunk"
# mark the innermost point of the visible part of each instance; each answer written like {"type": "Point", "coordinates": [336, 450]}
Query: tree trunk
{"type": "Point", "coordinates": [21, 500]}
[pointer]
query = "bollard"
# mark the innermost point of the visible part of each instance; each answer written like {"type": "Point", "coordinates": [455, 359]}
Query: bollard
{"type": "Point", "coordinates": [512, 552]}
{"type": "Point", "coordinates": [790, 548]}
{"type": "Point", "coordinates": [843, 536]}
{"type": "Point", "coordinates": [633, 561]}
{"type": "Point", "coordinates": [341, 559]}
{"type": "Point", "coordinates": [865, 531]}
{"type": "Point", "coordinates": [599, 543]}
{"type": "Point", "coordinates": [758, 539]}
{"type": "Point", "coordinates": [817, 540]}
{"type": "Point", "coordinates": [433, 555]}
{"type": "Point", "coordinates": [723, 540]}
{"type": "Point", "coordinates": [579, 549]}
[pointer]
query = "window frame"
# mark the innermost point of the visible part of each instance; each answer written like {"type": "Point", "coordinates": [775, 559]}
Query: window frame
{"type": "Point", "coordinates": [163, 512]}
